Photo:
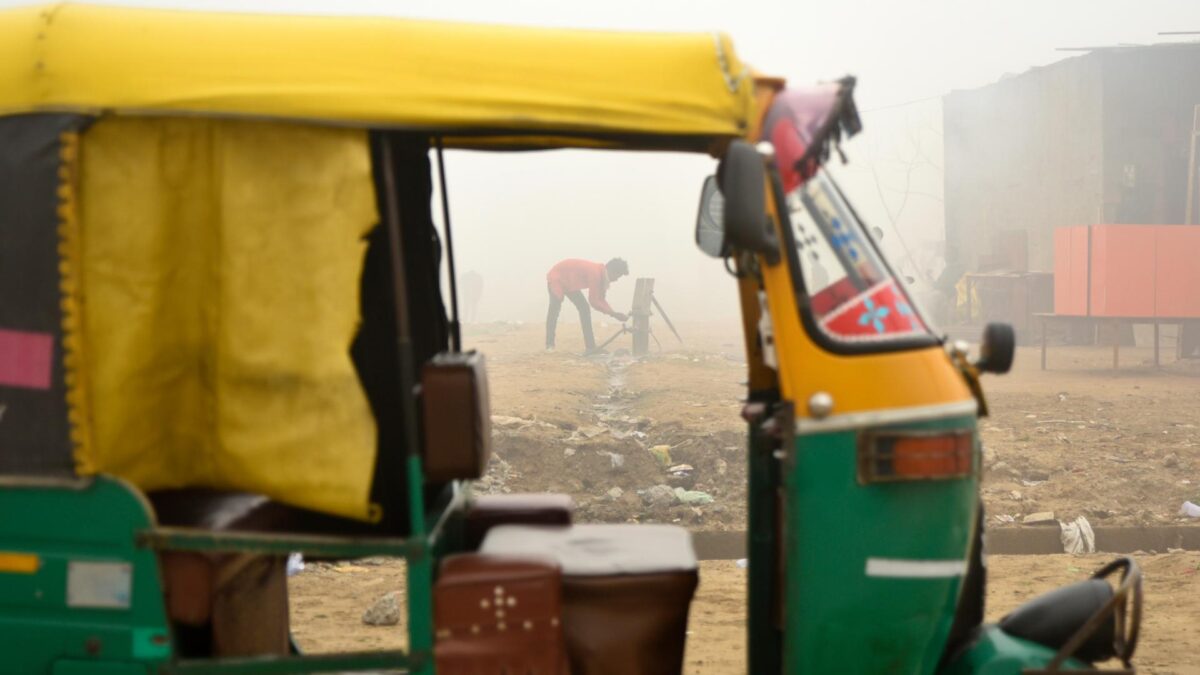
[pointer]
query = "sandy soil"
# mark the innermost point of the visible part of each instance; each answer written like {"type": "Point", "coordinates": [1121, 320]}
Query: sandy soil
{"type": "Point", "coordinates": [1118, 447]}
{"type": "Point", "coordinates": [328, 602]}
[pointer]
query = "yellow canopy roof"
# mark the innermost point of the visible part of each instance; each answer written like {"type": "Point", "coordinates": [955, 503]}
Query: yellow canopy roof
{"type": "Point", "coordinates": [596, 87]}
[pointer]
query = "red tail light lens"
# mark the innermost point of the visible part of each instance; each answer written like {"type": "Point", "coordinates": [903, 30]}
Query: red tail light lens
{"type": "Point", "coordinates": [915, 455]}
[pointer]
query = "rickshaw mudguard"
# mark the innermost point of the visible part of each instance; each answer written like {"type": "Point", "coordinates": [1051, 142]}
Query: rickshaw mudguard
{"type": "Point", "coordinates": [885, 591]}
{"type": "Point", "coordinates": [995, 652]}
{"type": "Point", "coordinates": [76, 591]}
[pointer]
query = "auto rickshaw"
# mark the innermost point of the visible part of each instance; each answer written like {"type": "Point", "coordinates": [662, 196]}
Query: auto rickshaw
{"type": "Point", "coordinates": [223, 339]}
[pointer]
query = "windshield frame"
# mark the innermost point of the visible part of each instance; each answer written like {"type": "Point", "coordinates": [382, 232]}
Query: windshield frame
{"type": "Point", "coordinates": [818, 335]}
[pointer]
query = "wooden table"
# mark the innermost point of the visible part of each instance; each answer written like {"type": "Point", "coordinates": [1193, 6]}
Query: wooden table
{"type": "Point", "coordinates": [1115, 322]}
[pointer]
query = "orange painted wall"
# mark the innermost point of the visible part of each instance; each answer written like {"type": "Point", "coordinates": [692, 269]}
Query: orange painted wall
{"type": "Point", "coordinates": [1071, 270]}
{"type": "Point", "coordinates": [1135, 271]}
{"type": "Point", "coordinates": [1177, 278]}
{"type": "Point", "coordinates": [1122, 270]}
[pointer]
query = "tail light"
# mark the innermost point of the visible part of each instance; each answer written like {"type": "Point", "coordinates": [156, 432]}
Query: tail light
{"type": "Point", "coordinates": [885, 456]}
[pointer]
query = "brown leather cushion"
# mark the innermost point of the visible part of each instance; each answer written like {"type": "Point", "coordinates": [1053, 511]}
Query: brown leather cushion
{"type": "Point", "coordinates": [626, 591]}
{"type": "Point", "coordinates": [632, 623]}
{"type": "Point", "coordinates": [498, 614]}
{"type": "Point", "coordinates": [488, 511]}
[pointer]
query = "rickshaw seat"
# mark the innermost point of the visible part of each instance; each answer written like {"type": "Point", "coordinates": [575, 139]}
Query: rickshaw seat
{"type": "Point", "coordinates": [232, 604]}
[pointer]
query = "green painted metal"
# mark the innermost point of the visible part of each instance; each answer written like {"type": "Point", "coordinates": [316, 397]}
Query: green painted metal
{"type": "Point", "coordinates": [270, 665]}
{"type": "Point", "coordinates": [195, 539]}
{"type": "Point", "coordinates": [839, 619]}
{"type": "Point", "coordinates": [86, 522]}
{"type": "Point", "coordinates": [997, 653]}
{"type": "Point", "coordinates": [764, 638]}
{"type": "Point", "coordinates": [420, 577]}
{"type": "Point", "coordinates": [93, 667]}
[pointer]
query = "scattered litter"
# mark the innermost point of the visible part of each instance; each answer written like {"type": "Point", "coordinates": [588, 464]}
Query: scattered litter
{"type": "Point", "coordinates": [1039, 518]}
{"type": "Point", "coordinates": [569, 452]}
{"type": "Point", "coordinates": [662, 453]}
{"type": "Point", "coordinates": [617, 459]}
{"type": "Point", "coordinates": [1005, 518]}
{"type": "Point", "coordinates": [1077, 536]}
{"type": "Point", "coordinates": [722, 467]}
{"type": "Point", "coordinates": [295, 564]}
{"type": "Point", "coordinates": [692, 496]}
{"type": "Point", "coordinates": [742, 563]}
{"type": "Point", "coordinates": [659, 495]}
{"type": "Point", "coordinates": [385, 611]}
{"type": "Point", "coordinates": [589, 431]}
{"type": "Point", "coordinates": [1015, 495]}
{"type": "Point", "coordinates": [1190, 510]}
{"type": "Point", "coordinates": [1175, 550]}
{"type": "Point", "coordinates": [615, 493]}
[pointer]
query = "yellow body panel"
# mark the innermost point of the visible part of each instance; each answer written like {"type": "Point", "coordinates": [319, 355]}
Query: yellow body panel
{"type": "Point", "coordinates": [859, 382]}
{"type": "Point", "coordinates": [551, 84]}
{"type": "Point", "coordinates": [216, 269]}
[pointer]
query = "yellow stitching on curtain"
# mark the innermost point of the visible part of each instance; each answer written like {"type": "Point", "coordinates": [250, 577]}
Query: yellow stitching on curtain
{"type": "Point", "coordinates": [69, 268]}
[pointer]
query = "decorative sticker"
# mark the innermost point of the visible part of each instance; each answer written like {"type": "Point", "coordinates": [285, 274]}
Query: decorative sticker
{"type": "Point", "coordinates": [26, 359]}
{"type": "Point", "coordinates": [880, 312]}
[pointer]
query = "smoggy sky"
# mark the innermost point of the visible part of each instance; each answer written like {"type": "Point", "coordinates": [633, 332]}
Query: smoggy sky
{"type": "Point", "coordinates": [516, 214]}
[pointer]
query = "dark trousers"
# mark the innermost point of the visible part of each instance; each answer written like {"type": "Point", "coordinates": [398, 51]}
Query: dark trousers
{"type": "Point", "coordinates": [585, 318]}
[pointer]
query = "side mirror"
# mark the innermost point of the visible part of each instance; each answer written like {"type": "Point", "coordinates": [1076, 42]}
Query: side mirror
{"type": "Point", "coordinates": [710, 222]}
{"type": "Point", "coordinates": [997, 350]}
{"type": "Point", "coordinates": [743, 223]}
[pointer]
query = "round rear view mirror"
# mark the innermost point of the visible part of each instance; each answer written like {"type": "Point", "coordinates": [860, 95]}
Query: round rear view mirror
{"type": "Point", "coordinates": [998, 348]}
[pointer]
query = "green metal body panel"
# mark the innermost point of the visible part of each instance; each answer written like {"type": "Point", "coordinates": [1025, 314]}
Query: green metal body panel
{"type": "Point", "coordinates": [72, 529]}
{"type": "Point", "coordinates": [997, 653]}
{"type": "Point", "coordinates": [837, 617]}
{"type": "Point", "coordinates": [764, 637]}
{"type": "Point", "coordinates": [99, 668]}
{"type": "Point", "coordinates": [104, 521]}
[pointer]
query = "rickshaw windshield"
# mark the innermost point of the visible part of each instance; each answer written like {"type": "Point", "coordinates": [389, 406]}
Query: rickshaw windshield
{"type": "Point", "coordinates": [852, 295]}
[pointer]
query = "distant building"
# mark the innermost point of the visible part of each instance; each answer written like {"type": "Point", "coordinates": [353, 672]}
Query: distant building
{"type": "Point", "coordinates": [1099, 138]}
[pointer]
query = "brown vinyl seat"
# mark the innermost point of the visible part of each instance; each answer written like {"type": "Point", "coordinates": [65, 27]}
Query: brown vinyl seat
{"type": "Point", "coordinates": [626, 591]}
{"type": "Point", "coordinates": [488, 511]}
{"type": "Point", "coordinates": [232, 604]}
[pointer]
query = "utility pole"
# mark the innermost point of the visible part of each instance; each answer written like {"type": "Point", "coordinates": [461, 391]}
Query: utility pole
{"type": "Point", "coordinates": [1190, 216]}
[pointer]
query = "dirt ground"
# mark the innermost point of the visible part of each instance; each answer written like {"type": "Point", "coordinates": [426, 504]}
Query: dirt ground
{"type": "Point", "coordinates": [328, 602]}
{"type": "Point", "coordinates": [1116, 447]}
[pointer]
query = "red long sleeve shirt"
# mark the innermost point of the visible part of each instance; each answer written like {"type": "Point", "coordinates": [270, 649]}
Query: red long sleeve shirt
{"type": "Point", "coordinates": [573, 274]}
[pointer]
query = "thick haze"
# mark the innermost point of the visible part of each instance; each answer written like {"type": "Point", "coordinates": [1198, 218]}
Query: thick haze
{"type": "Point", "coordinates": [514, 215]}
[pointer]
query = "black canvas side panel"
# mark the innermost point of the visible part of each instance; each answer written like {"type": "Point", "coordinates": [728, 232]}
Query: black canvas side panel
{"type": "Point", "coordinates": [34, 431]}
{"type": "Point", "coordinates": [375, 348]}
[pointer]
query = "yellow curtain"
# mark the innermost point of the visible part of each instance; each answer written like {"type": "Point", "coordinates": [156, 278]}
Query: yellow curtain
{"type": "Point", "coordinates": [218, 297]}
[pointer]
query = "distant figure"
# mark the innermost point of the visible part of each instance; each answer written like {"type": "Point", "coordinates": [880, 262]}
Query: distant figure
{"type": "Point", "coordinates": [470, 287]}
{"type": "Point", "coordinates": [568, 279]}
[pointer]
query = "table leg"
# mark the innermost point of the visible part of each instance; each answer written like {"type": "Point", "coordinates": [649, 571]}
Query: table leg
{"type": "Point", "coordinates": [1043, 344]}
{"type": "Point", "coordinates": [1116, 338]}
{"type": "Point", "coordinates": [1155, 344]}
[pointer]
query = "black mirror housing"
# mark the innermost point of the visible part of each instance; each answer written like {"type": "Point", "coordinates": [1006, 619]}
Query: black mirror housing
{"type": "Point", "coordinates": [743, 184]}
{"type": "Point", "coordinates": [998, 349]}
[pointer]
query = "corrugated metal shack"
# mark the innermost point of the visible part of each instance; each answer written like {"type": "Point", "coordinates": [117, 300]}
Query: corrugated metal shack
{"type": "Point", "coordinates": [1103, 137]}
